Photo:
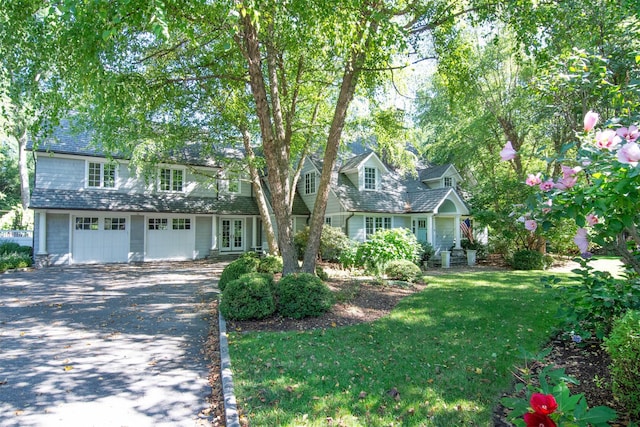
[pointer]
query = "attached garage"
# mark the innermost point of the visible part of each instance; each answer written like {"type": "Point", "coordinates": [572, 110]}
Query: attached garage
{"type": "Point", "coordinates": [100, 238]}
{"type": "Point", "coordinates": [170, 238]}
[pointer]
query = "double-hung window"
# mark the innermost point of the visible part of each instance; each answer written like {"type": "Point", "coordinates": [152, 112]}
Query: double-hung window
{"type": "Point", "coordinates": [376, 223]}
{"type": "Point", "coordinates": [370, 178]}
{"type": "Point", "coordinates": [101, 175]}
{"type": "Point", "coordinates": [310, 183]}
{"type": "Point", "coordinates": [171, 179]}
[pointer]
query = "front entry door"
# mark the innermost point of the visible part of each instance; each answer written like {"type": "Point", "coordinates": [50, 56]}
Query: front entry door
{"type": "Point", "coordinates": [232, 235]}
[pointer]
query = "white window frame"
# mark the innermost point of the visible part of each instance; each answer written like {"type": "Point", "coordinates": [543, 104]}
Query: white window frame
{"type": "Point", "coordinates": [115, 224]}
{"type": "Point", "coordinates": [173, 181]}
{"type": "Point", "coordinates": [155, 223]}
{"type": "Point", "coordinates": [366, 178]}
{"type": "Point", "coordinates": [233, 183]}
{"type": "Point", "coordinates": [103, 182]}
{"type": "Point", "coordinates": [376, 223]}
{"type": "Point", "coordinates": [87, 223]}
{"type": "Point", "coordinates": [310, 183]}
{"type": "Point", "coordinates": [327, 220]}
{"type": "Point", "coordinates": [181, 224]}
{"type": "Point", "coordinates": [448, 182]}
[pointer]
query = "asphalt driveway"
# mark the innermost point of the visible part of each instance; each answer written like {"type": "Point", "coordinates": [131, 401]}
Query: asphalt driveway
{"type": "Point", "coordinates": [118, 345]}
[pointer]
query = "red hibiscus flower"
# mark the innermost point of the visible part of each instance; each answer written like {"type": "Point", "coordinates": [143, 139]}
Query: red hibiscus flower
{"type": "Point", "coordinates": [544, 404]}
{"type": "Point", "coordinates": [534, 419]}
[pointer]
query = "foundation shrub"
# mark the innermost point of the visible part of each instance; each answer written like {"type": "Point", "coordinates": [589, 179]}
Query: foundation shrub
{"type": "Point", "coordinates": [303, 295]}
{"type": "Point", "coordinates": [248, 297]}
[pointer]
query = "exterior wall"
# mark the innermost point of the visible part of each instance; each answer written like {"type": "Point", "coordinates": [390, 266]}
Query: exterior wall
{"type": "Point", "coordinates": [401, 222]}
{"type": "Point", "coordinates": [58, 238]}
{"type": "Point", "coordinates": [136, 248]}
{"type": "Point", "coordinates": [67, 173]}
{"type": "Point", "coordinates": [203, 236]}
{"type": "Point", "coordinates": [444, 234]}
{"type": "Point", "coordinates": [59, 173]}
{"type": "Point", "coordinates": [355, 228]}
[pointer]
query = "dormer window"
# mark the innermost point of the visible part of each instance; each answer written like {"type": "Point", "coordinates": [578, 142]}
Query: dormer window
{"type": "Point", "coordinates": [101, 175]}
{"type": "Point", "coordinates": [310, 183]}
{"type": "Point", "coordinates": [370, 178]}
{"type": "Point", "coordinates": [171, 179]}
{"type": "Point", "coordinates": [448, 181]}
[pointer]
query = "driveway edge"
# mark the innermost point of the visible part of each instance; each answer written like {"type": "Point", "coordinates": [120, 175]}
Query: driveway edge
{"type": "Point", "coordinates": [230, 407]}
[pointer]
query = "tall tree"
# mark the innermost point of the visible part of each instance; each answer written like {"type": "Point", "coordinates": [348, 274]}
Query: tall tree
{"type": "Point", "coordinates": [149, 69]}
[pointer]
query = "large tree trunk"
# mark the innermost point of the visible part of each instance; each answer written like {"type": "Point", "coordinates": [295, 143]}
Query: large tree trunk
{"type": "Point", "coordinates": [276, 152]}
{"type": "Point", "coordinates": [349, 82]}
{"type": "Point", "coordinates": [23, 169]}
{"type": "Point", "coordinates": [260, 198]}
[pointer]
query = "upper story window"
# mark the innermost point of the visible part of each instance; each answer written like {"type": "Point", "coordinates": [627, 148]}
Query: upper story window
{"type": "Point", "coordinates": [310, 183]}
{"type": "Point", "coordinates": [101, 175]}
{"type": "Point", "coordinates": [448, 181]}
{"type": "Point", "coordinates": [171, 179]}
{"type": "Point", "coordinates": [370, 178]}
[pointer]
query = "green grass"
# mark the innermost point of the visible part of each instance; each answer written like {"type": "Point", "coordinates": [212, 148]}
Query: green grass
{"type": "Point", "coordinates": [448, 351]}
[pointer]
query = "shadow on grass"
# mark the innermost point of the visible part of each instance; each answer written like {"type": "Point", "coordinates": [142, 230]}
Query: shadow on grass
{"type": "Point", "coordinates": [442, 357]}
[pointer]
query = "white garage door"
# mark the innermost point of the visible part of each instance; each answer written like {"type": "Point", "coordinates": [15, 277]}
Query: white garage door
{"type": "Point", "coordinates": [170, 238]}
{"type": "Point", "coordinates": [100, 239]}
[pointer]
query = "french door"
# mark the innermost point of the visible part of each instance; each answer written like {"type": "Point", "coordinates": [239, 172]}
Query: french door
{"type": "Point", "coordinates": [232, 238]}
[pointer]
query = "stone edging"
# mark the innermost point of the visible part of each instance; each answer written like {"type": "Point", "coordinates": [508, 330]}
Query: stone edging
{"type": "Point", "coordinates": [230, 407]}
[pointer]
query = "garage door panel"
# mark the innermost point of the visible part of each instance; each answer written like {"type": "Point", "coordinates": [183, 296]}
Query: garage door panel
{"type": "Point", "coordinates": [170, 238]}
{"type": "Point", "coordinates": [100, 239]}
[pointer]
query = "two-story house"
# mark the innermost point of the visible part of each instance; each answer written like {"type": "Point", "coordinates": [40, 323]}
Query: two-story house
{"type": "Point", "coordinates": [366, 195]}
{"type": "Point", "coordinates": [94, 208]}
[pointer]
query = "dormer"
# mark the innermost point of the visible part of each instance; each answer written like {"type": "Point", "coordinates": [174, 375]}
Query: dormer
{"type": "Point", "coordinates": [365, 171]}
{"type": "Point", "coordinates": [442, 176]}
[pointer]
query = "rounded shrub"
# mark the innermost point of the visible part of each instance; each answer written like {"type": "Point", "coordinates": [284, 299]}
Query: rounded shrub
{"type": "Point", "coordinates": [527, 260]}
{"type": "Point", "coordinates": [248, 297]}
{"type": "Point", "coordinates": [385, 246]}
{"type": "Point", "coordinates": [332, 242]}
{"type": "Point", "coordinates": [303, 295]}
{"type": "Point", "coordinates": [403, 270]}
{"type": "Point", "coordinates": [623, 345]}
{"type": "Point", "coordinates": [270, 264]}
{"type": "Point", "coordinates": [247, 263]}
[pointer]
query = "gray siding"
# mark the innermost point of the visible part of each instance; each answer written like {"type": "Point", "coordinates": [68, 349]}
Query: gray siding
{"type": "Point", "coordinates": [401, 222]}
{"type": "Point", "coordinates": [203, 236]}
{"type": "Point", "coordinates": [60, 173]}
{"type": "Point", "coordinates": [58, 238]}
{"type": "Point", "coordinates": [136, 248]}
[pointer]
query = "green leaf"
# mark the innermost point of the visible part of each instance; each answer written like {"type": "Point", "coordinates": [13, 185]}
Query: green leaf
{"type": "Point", "coordinates": [599, 416]}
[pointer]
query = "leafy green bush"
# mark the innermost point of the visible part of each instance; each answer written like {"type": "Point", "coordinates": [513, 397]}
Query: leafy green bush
{"type": "Point", "coordinates": [270, 264]}
{"type": "Point", "coordinates": [332, 242]}
{"type": "Point", "coordinates": [303, 295]}
{"type": "Point", "coordinates": [349, 255]}
{"type": "Point", "coordinates": [323, 275]}
{"type": "Point", "coordinates": [527, 260]}
{"type": "Point", "coordinates": [7, 248]}
{"type": "Point", "coordinates": [428, 251]}
{"type": "Point", "coordinates": [388, 245]}
{"type": "Point", "coordinates": [403, 270]}
{"type": "Point", "coordinates": [247, 263]}
{"type": "Point", "coordinates": [248, 297]}
{"type": "Point", "coordinates": [623, 345]}
{"type": "Point", "coordinates": [591, 307]}
{"type": "Point", "coordinates": [9, 261]}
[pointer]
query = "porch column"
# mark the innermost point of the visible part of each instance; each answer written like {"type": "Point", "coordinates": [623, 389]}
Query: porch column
{"type": "Point", "coordinates": [430, 229]}
{"type": "Point", "coordinates": [254, 233]}
{"type": "Point", "coordinates": [214, 233]}
{"type": "Point", "coordinates": [456, 231]}
{"type": "Point", "coordinates": [42, 233]}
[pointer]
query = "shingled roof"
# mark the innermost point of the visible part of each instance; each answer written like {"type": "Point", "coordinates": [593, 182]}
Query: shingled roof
{"type": "Point", "coordinates": [161, 203]}
{"type": "Point", "coordinates": [398, 193]}
{"type": "Point", "coordinates": [67, 138]}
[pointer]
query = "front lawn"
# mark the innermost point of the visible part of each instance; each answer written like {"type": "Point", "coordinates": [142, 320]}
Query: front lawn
{"type": "Point", "coordinates": [442, 357]}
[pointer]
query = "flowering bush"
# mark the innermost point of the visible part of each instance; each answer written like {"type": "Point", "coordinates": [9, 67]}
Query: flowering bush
{"type": "Point", "coordinates": [551, 404]}
{"type": "Point", "coordinates": [599, 190]}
